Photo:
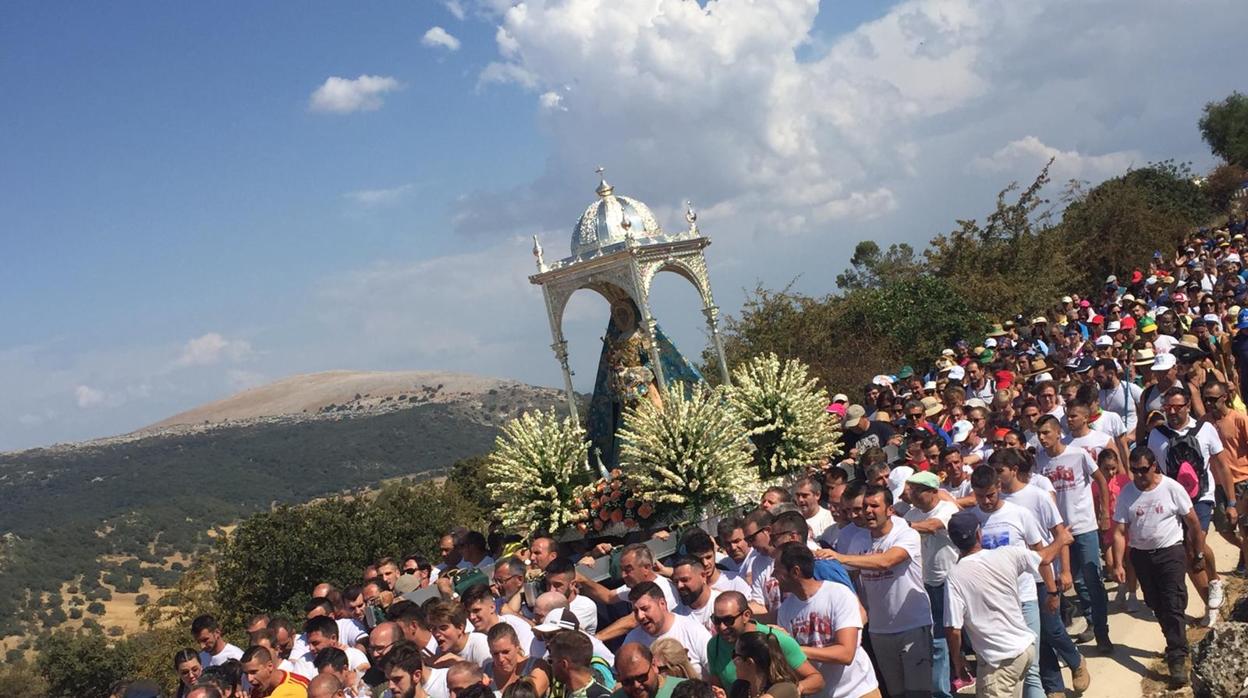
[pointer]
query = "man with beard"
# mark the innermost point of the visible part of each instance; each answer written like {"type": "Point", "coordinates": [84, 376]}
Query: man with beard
{"type": "Point", "coordinates": [405, 672]}
{"type": "Point", "coordinates": [655, 621]}
{"type": "Point", "coordinates": [561, 577]}
{"type": "Point", "coordinates": [697, 598]}
{"type": "Point", "coordinates": [636, 567]}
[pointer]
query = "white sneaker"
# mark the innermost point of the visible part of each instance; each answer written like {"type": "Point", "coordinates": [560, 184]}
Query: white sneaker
{"type": "Point", "coordinates": [1215, 594]}
{"type": "Point", "coordinates": [1210, 619]}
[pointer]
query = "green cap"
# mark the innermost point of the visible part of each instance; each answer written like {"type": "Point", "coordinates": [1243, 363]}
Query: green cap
{"type": "Point", "coordinates": [924, 479]}
{"type": "Point", "coordinates": [905, 372]}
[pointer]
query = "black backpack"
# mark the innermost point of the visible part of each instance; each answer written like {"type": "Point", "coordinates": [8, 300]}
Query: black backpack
{"type": "Point", "coordinates": [1185, 449]}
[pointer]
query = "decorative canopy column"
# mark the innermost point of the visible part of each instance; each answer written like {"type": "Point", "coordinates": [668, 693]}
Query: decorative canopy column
{"type": "Point", "coordinates": [617, 249]}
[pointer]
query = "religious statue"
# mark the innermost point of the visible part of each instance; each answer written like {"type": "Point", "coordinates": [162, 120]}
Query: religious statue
{"type": "Point", "coordinates": [629, 379]}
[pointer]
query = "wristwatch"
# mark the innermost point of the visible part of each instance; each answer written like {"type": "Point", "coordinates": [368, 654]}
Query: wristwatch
{"type": "Point", "coordinates": [1200, 555]}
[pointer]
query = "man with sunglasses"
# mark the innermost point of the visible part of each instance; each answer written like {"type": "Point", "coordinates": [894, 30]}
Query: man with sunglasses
{"type": "Point", "coordinates": [634, 666]}
{"type": "Point", "coordinates": [732, 619]}
{"type": "Point", "coordinates": [1158, 517]}
{"type": "Point", "coordinates": [1204, 445]}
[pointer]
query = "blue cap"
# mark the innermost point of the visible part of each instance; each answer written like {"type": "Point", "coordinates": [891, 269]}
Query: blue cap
{"type": "Point", "coordinates": [962, 528]}
{"type": "Point", "coordinates": [1242, 321]}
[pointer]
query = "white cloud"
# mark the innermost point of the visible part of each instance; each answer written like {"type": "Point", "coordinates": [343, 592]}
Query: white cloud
{"type": "Point", "coordinates": [212, 348]}
{"type": "Point", "coordinates": [552, 100]}
{"type": "Point", "coordinates": [380, 197]}
{"type": "Point", "coordinates": [455, 8]}
{"type": "Point", "coordinates": [1029, 154]}
{"type": "Point", "coordinates": [437, 37]}
{"type": "Point", "coordinates": [710, 101]}
{"type": "Point", "coordinates": [88, 397]}
{"type": "Point", "coordinates": [343, 95]}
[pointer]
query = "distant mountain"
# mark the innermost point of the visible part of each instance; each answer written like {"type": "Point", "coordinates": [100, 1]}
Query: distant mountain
{"type": "Point", "coordinates": [147, 495]}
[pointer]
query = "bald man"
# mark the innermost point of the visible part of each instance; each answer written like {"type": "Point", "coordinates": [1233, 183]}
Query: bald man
{"type": "Point", "coordinates": [322, 590]}
{"type": "Point", "coordinates": [634, 666]}
{"type": "Point", "coordinates": [326, 686]}
{"type": "Point", "coordinates": [542, 551]}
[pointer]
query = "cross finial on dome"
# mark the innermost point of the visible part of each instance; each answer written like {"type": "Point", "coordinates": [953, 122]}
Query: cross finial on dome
{"type": "Point", "coordinates": [604, 189]}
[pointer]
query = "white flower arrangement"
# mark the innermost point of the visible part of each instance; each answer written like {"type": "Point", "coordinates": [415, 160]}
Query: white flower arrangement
{"type": "Point", "coordinates": [536, 472]}
{"type": "Point", "coordinates": [688, 453]}
{"type": "Point", "coordinates": [785, 414]}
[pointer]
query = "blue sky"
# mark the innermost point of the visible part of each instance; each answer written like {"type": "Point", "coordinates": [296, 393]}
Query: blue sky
{"type": "Point", "coordinates": [181, 218]}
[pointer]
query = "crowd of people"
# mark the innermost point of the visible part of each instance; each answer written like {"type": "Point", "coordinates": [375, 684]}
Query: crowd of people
{"type": "Point", "coordinates": [979, 515]}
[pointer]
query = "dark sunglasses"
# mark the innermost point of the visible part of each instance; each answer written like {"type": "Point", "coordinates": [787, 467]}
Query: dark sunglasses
{"type": "Point", "coordinates": [636, 680]}
{"type": "Point", "coordinates": [726, 620]}
{"type": "Point", "coordinates": [413, 570]}
{"type": "Point", "coordinates": [1142, 471]}
{"type": "Point", "coordinates": [749, 538]}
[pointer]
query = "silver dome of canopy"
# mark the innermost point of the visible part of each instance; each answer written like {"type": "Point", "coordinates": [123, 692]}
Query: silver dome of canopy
{"type": "Point", "coordinates": [610, 221]}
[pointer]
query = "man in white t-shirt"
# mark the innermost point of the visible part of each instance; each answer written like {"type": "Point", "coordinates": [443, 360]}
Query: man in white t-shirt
{"type": "Point", "coordinates": [655, 621]}
{"type": "Point", "coordinates": [561, 577]}
{"type": "Point", "coordinates": [1081, 434]}
{"type": "Point", "coordinates": [636, 567]}
{"type": "Point", "coordinates": [929, 516]}
{"type": "Point", "coordinates": [214, 650]}
{"type": "Point", "coordinates": [825, 619]}
{"type": "Point", "coordinates": [1006, 524]}
{"type": "Point", "coordinates": [1155, 512]}
{"type": "Point", "coordinates": [480, 605]}
{"type": "Point", "coordinates": [1117, 397]}
{"type": "Point", "coordinates": [1055, 642]}
{"type": "Point", "coordinates": [984, 601]}
{"type": "Point", "coordinates": [1213, 472]}
{"type": "Point", "coordinates": [448, 622]}
{"type": "Point", "coordinates": [891, 576]}
{"type": "Point", "coordinates": [1072, 472]}
{"type": "Point", "coordinates": [806, 497]}
{"type": "Point", "coordinates": [699, 544]}
{"type": "Point", "coordinates": [321, 633]}
{"type": "Point", "coordinates": [697, 597]}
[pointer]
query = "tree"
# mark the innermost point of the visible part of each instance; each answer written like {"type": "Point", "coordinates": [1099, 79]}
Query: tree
{"type": "Point", "coordinates": [869, 268]}
{"type": "Point", "coordinates": [1222, 184]}
{"type": "Point", "coordinates": [1011, 263]}
{"type": "Point", "coordinates": [265, 565]}
{"type": "Point", "coordinates": [81, 664]}
{"type": "Point", "coordinates": [19, 678]}
{"type": "Point", "coordinates": [1224, 126]}
{"type": "Point", "coordinates": [1117, 225]}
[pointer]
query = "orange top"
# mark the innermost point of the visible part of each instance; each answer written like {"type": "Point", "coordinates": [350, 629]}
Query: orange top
{"type": "Point", "coordinates": [291, 686]}
{"type": "Point", "coordinates": [1233, 428]}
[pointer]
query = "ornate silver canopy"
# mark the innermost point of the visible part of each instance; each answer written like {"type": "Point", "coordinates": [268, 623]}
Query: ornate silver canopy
{"type": "Point", "coordinates": [617, 249]}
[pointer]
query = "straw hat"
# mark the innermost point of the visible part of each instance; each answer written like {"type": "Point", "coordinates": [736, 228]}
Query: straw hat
{"type": "Point", "coordinates": [1144, 357]}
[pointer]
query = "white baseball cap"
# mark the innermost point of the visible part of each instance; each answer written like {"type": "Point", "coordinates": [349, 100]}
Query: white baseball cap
{"type": "Point", "coordinates": [990, 343]}
{"type": "Point", "coordinates": [840, 397]}
{"type": "Point", "coordinates": [957, 373]}
{"type": "Point", "coordinates": [1113, 327]}
{"type": "Point", "coordinates": [1104, 341]}
{"type": "Point", "coordinates": [961, 429]}
{"type": "Point", "coordinates": [1164, 362]}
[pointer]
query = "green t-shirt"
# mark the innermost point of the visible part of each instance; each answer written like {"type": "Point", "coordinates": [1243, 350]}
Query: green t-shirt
{"type": "Point", "coordinates": [719, 654]}
{"type": "Point", "coordinates": [666, 685]}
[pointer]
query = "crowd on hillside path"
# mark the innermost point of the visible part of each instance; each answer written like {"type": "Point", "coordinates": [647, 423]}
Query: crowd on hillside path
{"type": "Point", "coordinates": [981, 526]}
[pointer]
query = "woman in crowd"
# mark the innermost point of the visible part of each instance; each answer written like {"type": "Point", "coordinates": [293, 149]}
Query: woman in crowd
{"type": "Point", "coordinates": [762, 671]}
{"type": "Point", "coordinates": [186, 663]}
{"type": "Point", "coordinates": [671, 659]}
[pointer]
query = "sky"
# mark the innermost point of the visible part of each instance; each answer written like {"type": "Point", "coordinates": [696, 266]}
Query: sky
{"type": "Point", "coordinates": [200, 198]}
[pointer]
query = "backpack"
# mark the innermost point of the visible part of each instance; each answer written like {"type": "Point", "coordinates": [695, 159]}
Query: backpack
{"type": "Point", "coordinates": [1185, 462]}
